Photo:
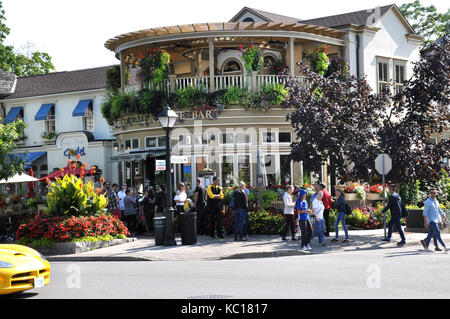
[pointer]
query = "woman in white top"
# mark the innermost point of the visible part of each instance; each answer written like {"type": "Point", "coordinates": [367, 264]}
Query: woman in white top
{"type": "Point", "coordinates": [318, 208]}
{"type": "Point", "coordinates": [289, 206]}
{"type": "Point", "coordinates": [180, 198]}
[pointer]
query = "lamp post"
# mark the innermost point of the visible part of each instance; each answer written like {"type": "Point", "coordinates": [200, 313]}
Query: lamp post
{"type": "Point", "coordinates": [167, 118]}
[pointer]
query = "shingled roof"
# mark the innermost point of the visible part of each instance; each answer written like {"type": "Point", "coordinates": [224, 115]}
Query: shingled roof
{"type": "Point", "coordinates": [267, 16]}
{"type": "Point", "coordinates": [60, 82]}
{"type": "Point", "coordinates": [7, 83]}
{"type": "Point", "coordinates": [359, 18]}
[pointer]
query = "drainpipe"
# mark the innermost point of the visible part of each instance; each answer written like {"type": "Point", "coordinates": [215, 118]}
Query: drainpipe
{"type": "Point", "coordinates": [357, 55]}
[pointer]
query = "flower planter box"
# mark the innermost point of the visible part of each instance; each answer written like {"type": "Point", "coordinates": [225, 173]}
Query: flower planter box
{"type": "Point", "coordinates": [49, 141]}
{"type": "Point", "coordinates": [351, 196]}
{"type": "Point", "coordinates": [374, 196]}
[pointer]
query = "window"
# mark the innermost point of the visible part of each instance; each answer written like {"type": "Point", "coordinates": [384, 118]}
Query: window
{"type": "Point", "coordinates": [248, 20]}
{"type": "Point", "coordinates": [88, 118]}
{"type": "Point", "coordinates": [135, 143]}
{"type": "Point", "coordinates": [268, 137]}
{"type": "Point", "coordinates": [151, 142]}
{"type": "Point", "coordinates": [243, 138]}
{"type": "Point", "coordinates": [285, 169]}
{"type": "Point", "coordinates": [161, 141]}
{"type": "Point", "coordinates": [244, 168]}
{"type": "Point", "coordinates": [227, 138]}
{"type": "Point", "coordinates": [131, 144]}
{"type": "Point", "coordinates": [232, 67]}
{"type": "Point", "coordinates": [399, 76]}
{"type": "Point", "coordinates": [284, 137]}
{"type": "Point", "coordinates": [270, 166]}
{"type": "Point", "coordinates": [50, 121]}
{"type": "Point", "coordinates": [269, 61]}
{"type": "Point", "coordinates": [383, 75]}
{"type": "Point", "coordinates": [227, 171]}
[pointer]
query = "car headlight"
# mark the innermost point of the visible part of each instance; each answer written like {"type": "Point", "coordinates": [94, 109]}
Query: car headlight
{"type": "Point", "coordinates": [42, 256]}
{"type": "Point", "coordinates": [4, 264]}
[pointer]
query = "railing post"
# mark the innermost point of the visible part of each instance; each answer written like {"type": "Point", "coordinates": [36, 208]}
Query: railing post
{"type": "Point", "coordinates": [172, 83]}
{"type": "Point", "coordinates": [211, 64]}
{"type": "Point", "coordinates": [253, 84]}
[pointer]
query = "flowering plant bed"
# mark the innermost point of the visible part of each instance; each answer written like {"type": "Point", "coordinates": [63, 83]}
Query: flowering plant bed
{"type": "Point", "coordinates": [63, 229]}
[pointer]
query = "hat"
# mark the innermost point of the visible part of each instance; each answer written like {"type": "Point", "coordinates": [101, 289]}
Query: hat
{"type": "Point", "coordinates": [302, 192]}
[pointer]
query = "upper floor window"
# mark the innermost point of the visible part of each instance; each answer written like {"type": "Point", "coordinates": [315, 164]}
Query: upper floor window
{"type": "Point", "coordinates": [158, 141]}
{"type": "Point", "coordinates": [248, 20]}
{"type": "Point", "coordinates": [383, 75]}
{"type": "Point", "coordinates": [50, 120]}
{"type": "Point", "coordinates": [232, 67]}
{"type": "Point", "coordinates": [399, 75]}
{"type": "Point", "coordinates": [88, 119]}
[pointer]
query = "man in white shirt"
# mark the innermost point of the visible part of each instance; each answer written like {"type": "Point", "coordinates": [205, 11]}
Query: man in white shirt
{"type": "Point", "coordinates": [289, 206]}
{"type": "Point", "coordinates": [318, 209]}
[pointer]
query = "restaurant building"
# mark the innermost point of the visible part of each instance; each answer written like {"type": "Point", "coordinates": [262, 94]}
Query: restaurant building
{"type": "Point", "coordinates": [236, 142]}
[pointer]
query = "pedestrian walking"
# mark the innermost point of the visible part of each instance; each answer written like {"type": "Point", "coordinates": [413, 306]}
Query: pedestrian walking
{"type": "Point", "coordinates": [318, 211]}
{"type": "Point", "coordinates": [240, 210]}
{"type": "Point", "coordinates": [200, 199]}
{"type": "Point", "coordinates": [289, 206]}
{"type": "Point", "coordinates": [247, 226]}
{"type": "Point", "coordinates": [327, 202]}
{"type": "Point", "coordinates": [303, 215]}
{"type": "Point", "coordinates": [130, 212]}
{"type": "Point", "coordinates": [113, 202]}
{"type": "Point", "coordinates": [396, 206]}
{"type": "Point", "coordinates": [341, 214]}
{"type": "Point", "coordinates": [215, 206]}
{"type": "Point", "coordinates": [433, 215]}
{"type": "Point", "coordinates": [160, 200]}
{"type": "Point", "coordinates": [148, 209]}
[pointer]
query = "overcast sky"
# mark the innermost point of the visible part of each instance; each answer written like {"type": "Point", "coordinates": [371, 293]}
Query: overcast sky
{"type": "Point", "coordinates": [74, 32]}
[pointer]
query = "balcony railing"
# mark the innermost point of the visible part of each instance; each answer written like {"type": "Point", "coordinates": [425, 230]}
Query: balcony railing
{"type": "Point", "coordinates": [221, 82]}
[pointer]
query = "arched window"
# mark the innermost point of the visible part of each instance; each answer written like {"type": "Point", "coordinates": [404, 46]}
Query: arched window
{"type": "Point", "coordinates": [232, 66]}
{"type": "Point", "coordinates": [248, 20]}
{"type": "Point", "coordinates": [269, 61]}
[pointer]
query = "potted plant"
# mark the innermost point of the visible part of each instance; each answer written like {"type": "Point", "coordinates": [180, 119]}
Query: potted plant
{"type": "Point", "coordinates": [252, 57]}
{"type": "Point", "coordinates": [49, 136]}
{"type": "Point", "coordinates": [374, 192]}
{"type": "Point", "coordinates": [350, 192]}
{"type": "Point", "coordinates": [154, 66]}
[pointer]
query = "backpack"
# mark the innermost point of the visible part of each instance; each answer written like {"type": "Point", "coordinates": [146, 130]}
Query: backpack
{"type": "Point", "coordinates": [404, 211]}
{"type": "Point", "coordinates": [347, 209]}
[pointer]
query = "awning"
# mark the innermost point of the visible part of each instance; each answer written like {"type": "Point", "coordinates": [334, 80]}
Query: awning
{"type": "Point", "coordinates": [81, 107]}
{"type": "Point", "coordinates": [12, 115]}
{"type": "Point", "coordinates": [43, 111]}
{"type": "Point", "coordinates": [28, 158]}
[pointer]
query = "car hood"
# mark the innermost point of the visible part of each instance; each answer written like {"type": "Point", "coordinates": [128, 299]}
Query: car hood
{"type": "Point", "coordinates": [18, 255]}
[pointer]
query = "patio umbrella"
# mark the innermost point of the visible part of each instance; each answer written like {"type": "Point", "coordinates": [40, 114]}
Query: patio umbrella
{"type": "Point", "coordinates": [19, 178]}
{"type": "Point", "coordinates": [68, 170]}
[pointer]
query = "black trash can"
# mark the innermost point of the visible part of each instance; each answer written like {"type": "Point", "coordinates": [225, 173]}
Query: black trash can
{"type": "Point", "coordinates": [160, 227]}
{"type": "Point", "coordinates": [188, 225]}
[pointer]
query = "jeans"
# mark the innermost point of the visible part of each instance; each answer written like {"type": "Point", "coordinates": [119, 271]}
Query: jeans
{"type": "Point", "coordinates": [326, 216]}
{"type": "Point", "coordinates": [434, 232]}
{"type": "Point", "coordinates": [239, 218]}
{"type": "Point", "coordinates": [318, 230]}
{"type": "Point", "coordinates": [395, 220]}
{"type": "Point", "coordinates": [247, 230]}
{"type": "Point", "coordinates": [341, 218]}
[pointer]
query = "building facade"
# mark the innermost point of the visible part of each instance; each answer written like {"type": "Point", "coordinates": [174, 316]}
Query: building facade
{"type": "Point", "coordinates": [238, 143]}
{"type": "Point", "coordinates": [63, 118]}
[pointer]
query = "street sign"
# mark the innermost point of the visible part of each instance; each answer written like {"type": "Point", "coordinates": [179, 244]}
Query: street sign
{"type": "Point", "coordinates": [179, 159]}
{"type": "Point", "coordinates": [160, 165]}
{"type": "Point", "coordinates": [383, 164]}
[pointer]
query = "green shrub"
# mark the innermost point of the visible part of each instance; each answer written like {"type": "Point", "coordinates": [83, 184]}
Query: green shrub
{"type": "Point", "coordinates": [268, 198]}
{"type": "Point", "coordinates": [232, 95]}
{"type": "Point", "coordinates": [263, 223]}
{"type": "Point", "coordinates": [276, 93]}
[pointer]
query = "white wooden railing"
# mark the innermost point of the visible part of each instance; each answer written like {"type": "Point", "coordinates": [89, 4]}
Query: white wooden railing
{"type": "Point", "coordinates": [223, 81]}
{"type": "Point", "coordinates": [197, 82]}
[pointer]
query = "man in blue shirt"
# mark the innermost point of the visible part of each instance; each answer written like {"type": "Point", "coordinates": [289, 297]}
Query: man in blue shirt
{"type": "Point", "coordinates": [303, 215]}
{"type": "Point", "coordinates": [433, 215]}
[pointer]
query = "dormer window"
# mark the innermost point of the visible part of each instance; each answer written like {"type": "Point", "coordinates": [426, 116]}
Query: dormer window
{"type": "Point", "coordinates": [248, 20]}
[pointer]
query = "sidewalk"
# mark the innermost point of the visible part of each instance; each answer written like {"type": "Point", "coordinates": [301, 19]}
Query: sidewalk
{"type": "Point", "coordinates": [207, 248]}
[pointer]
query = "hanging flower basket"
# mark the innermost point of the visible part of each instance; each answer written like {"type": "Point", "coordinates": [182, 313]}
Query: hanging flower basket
{"type": "Point", "coordinates": [252, 57]}
{"type": "Point", "coordinates": [154, 66]}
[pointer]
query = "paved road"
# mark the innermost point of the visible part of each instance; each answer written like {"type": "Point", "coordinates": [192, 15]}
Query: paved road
{"type": "Point", "coordinates": [384, 273]}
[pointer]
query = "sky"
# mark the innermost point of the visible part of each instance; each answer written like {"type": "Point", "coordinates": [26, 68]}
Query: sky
{"type": "Point", "coordinates": [74, 32]}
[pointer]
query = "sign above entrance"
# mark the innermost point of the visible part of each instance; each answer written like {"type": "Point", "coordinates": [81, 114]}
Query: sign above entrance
{"type": "Point", "coordinates": [179, 159]}
{"type": "Point", "coordinates": [70, 152]}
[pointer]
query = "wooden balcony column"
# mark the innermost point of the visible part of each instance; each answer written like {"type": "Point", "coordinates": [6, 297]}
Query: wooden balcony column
{"type": "Point", "coordinates": [123, 73]}
{"type": "Point", "coordinates": [291, 56]}
{"type": "Point", "coordinates": [211, 64]}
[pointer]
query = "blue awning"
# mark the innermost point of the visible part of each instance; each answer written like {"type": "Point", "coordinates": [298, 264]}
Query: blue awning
{"type": "Point", "coordinates": [28, 158]}
{"type": "Point", "coordinates": [43, 111]}
{"type": "Point", "coordinates": [81, 107]}
{"type": "Point", "coordinates": [12, 115]}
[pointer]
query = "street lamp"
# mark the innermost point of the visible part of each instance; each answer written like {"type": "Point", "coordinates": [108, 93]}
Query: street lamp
{"type": "Point", "coordinates": [167, 118]}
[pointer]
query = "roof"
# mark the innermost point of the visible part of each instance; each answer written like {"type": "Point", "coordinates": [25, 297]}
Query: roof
{"type": "Point", "coordinates": [359, 18]}
{"type": "Point", "coordinates": [241, 27]}
{"type": "Point", "coordinates": [60, 82]}
{"type": "Point", "coordinates": [268, 16]}
{"type": "Point", "coordinates": [7, 83]}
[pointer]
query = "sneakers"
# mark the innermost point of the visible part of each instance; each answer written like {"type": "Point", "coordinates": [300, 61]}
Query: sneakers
{"type": "Point", "coordinates": [243, 239]}
{"type": "Point", "coordinates": [304, 248]}
{"type": "Point", "coordinates": [446, 250]}
{"type": "Point", "coordinates": [424, 244]}
{"type": "Point", "coordinates": [323, 244]}
{"type": "Point", "coordinates": [401, 243]}
{"type": "Point", "coordinates": [346, 241]}
{"type": "Point", "coordinates": [335, 240]}
{"type": "Point", "coordinates": [309, 247]}
{"type": "Point", "coordinates": [386, 239]}
{"type": "Point", "coordinates": [284, 238]}
{"type": "Point", "coordinates": [293, 238]}
{"type": "Point", "coordinates": [437, 248]}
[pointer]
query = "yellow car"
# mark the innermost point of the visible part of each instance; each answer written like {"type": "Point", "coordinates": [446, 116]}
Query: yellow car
{"type": "Point", "coordinates": [22, 268]}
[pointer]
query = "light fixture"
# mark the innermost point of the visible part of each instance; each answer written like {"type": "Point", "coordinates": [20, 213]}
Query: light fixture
{"type": "Point", "coordinates": [167, 118]}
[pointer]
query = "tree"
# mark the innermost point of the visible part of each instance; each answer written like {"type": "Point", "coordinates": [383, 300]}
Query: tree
{"type": "Point", "coordinates": [18, 63]}
{"type": "Point", "coordinates": [9, 133]}
{"type": "Point", "coordinates": [427, 21]}
{"type": "Point", "coordinates": [339, 118]}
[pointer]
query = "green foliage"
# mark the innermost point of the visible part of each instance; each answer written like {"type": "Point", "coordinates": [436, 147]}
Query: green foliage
{"type": "Point", "coordinates": [269, 197]}
{"type": "Point", "coordinates": [49, 135]}
{"type": "Point", "coordinates": [113, 78]}
{"type": "Point", "coordinates": [360, 192]}
{"type": "Point", "coordinates": [71, 196]}
{"type": "Point", "coordinates": [264, 223]}
{"type": "Point", "coordinates": [252, 57]}
{"type": "Point", "coordinates": [276, 93]}
{"type": "Point", "coordinates": [426, 21]}
{"type": "Point", "coordinates": [9, 134]}
{"type": "Point", "coordinates": [319, 60]}
{"type": "Point", "coordinates": [189, 97]}
{"type": "Point", "coordinates": [154, 64]}
{"type": "Point", "coordinates": [232, 95]}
